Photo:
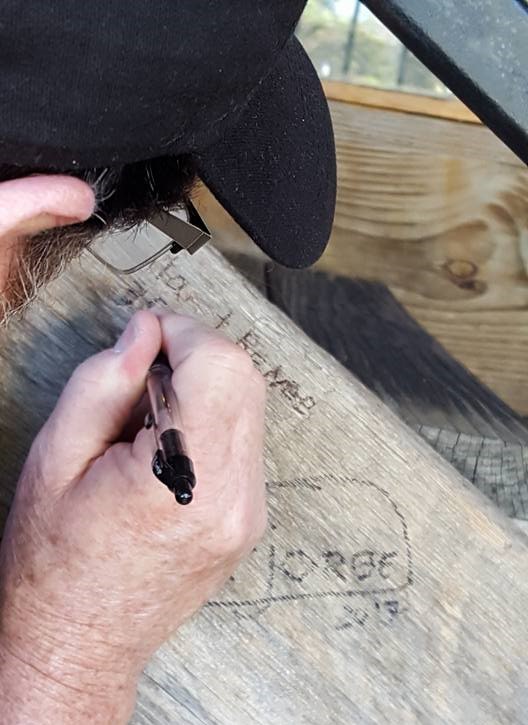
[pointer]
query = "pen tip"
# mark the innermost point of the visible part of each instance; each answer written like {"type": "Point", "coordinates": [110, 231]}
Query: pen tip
{"type": "Point", "coordinates": [183, 497]}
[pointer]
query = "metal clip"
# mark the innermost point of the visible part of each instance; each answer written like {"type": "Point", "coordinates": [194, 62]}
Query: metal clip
{"type": "Point", "coordinates": [190, 235]}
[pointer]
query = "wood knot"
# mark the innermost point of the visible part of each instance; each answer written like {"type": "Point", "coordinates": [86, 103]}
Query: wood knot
{"type": "Point", "coordinates": [473, 285]}
{"type": "Point", "coordinates": [460, 268]}
{"type": "Point", "coordinates": [462, 273]}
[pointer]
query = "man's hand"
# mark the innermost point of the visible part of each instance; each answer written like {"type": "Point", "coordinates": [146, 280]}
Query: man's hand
{"type": "Point", "coordinates": [99, 564]}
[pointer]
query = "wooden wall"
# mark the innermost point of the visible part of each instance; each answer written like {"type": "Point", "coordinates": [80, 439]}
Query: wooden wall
{"type": "Point", "coordinates": [438, 211]}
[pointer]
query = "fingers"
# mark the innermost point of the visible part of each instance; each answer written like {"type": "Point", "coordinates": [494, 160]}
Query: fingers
{"type": "Point", "coordinates": [221, 398]}
{"type": "Point", "coordinates": [211, 376]}
{"type": "Point", "coordinates": [183, 336]}
{"type": "Point", "coordinates": [136, 420]}
{"type": "Point", "coordinates": [54, 199]}
{"type": "Point", "coordinates": [204, 362]}
{"type": "Point", "coordinates": [98, 399]}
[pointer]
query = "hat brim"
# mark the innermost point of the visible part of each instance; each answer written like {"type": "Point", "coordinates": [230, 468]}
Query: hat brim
{"type": "Point", "coordinates": [275, 170]}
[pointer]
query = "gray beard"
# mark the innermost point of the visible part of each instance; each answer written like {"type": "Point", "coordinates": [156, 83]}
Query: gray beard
{"type": "Point", "coordinates": [40, 260]}
{"type": "Point", "coordinates": [124, 197]}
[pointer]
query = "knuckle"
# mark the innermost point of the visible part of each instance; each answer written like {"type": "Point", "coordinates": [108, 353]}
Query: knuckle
{"type": "Point", "coordinates": [86, 373]}
{"type": "Point", "coordinates": [169, 317]}
{"type": "Point", "coordinates": [241, 531]}
{"type": "Point", "coordinates": [229, 357]}
{"type": "Point", "coordinates": [40, 448]}
{"type": "Point", "coordinates": [84, 369]}
{"type": "Point", "coordinates": [234, 538]}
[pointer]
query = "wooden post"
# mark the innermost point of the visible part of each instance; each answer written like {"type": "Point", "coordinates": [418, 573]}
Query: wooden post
{"type": "Point", "coordinates": [386, 590]}
{"type": "Point", "coordinates": [438, 212]}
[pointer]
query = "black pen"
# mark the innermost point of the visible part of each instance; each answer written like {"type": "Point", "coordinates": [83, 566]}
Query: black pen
{"type": "Point", "coordinates": [171, 464]}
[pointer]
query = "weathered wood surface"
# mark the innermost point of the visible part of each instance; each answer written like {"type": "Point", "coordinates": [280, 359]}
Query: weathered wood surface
{"type": "Point", "coordinates": [437, 211]}
{"type": "Point", "coordinates": [364, 327]}
{"type": "Point", "coordinates": [387, 590]}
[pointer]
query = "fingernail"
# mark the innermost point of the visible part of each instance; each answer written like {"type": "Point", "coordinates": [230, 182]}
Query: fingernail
{"type": "Point", "coordinates": [127, 338]}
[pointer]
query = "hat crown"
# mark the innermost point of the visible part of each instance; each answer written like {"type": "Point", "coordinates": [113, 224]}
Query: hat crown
{"type": "Point", "coordinates": [94, 83]}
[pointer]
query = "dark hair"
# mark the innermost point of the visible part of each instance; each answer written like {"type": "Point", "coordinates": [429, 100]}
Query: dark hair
{"type": "Point", "coordinates": [125, 195]}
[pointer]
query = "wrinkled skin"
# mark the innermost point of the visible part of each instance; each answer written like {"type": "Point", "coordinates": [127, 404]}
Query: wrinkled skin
{"type": "Point", "coordinates": [99, 564]}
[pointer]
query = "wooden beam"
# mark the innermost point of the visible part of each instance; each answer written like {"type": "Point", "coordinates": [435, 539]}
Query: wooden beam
{"type": "Point", "coordinates": [363, 326]}
{"type": "Point", "coordinates": [394, 100]}
{"type": "Point", "coordinates": [386, 590]}
{"type": "Point", "coordinates": [438, 212]}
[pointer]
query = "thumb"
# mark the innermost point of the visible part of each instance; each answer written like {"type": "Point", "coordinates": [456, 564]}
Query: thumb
{"type": "Point", "coordinates": [97, 401]}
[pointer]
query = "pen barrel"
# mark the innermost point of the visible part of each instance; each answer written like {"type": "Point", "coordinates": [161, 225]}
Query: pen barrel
{"type": "Point", "coordinates": [171, 463]}
{"type": "Point", "coordinates": [164, 403]}
{"type": "Point", "coordinates": [182, 470]}
{"type": "Point", "coordinates": [171, 442]}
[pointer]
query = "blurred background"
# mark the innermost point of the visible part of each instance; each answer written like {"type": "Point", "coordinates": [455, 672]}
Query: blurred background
{"type": "Point", "coordinates": [347, 43]}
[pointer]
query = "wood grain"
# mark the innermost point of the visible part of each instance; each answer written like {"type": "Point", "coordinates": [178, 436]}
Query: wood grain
{"type": "Point", "coordinates": [363, 326]}
{"type": "Point", "coordinates": [447, 232]}
{"type": "Point", "coordinates": [437, 211]}
{"type": "Point", "coordinates": [402, 101]}
{"type": "Point", "coordinates": [387, 590]}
